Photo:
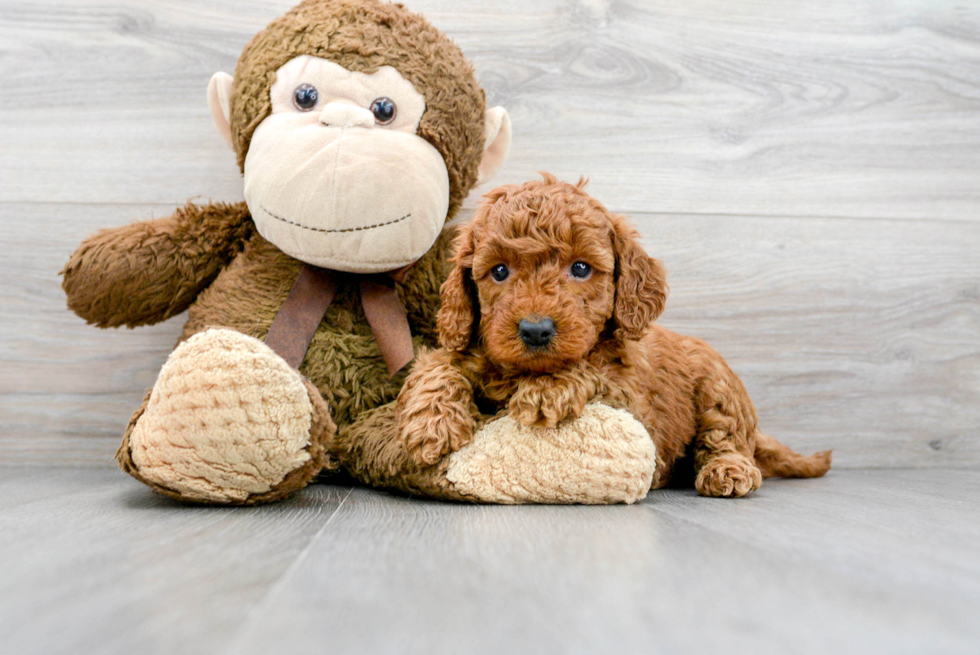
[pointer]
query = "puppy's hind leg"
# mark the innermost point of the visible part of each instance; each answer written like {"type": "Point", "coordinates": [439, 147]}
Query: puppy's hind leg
{"type": "Point", "coordinates": [724, 448]}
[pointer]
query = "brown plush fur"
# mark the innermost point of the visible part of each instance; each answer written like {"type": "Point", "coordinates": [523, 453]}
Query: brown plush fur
{"type": "Point", "coordinates": [211, 261]}
{"type": "Point", "coordinates": [606, 345]}
{"type": "Point", "coordinates": [372, 453]}
{"type": "Point", "coordinates": [145, 272]}
{"type": "Point", "coordinates": [363, 36]}
{"type": "Point", "coordinates": [150, 271]}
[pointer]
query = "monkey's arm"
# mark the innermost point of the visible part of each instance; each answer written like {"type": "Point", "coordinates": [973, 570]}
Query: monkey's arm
{"type": "Point", "coordinates": [435, 409]}
{"type": "Point", "coordinates": [148, 271]}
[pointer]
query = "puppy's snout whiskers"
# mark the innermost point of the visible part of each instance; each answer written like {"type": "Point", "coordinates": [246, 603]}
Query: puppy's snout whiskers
{"type": "Point", "coordinates": [536, 334]}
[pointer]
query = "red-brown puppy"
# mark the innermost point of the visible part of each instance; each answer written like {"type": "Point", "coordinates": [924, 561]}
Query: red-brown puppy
{"type": "Point", "coordinates": [550, 306]}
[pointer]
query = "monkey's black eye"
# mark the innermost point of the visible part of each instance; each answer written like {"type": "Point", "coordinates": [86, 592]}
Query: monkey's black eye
{"type": "Point", "coordinates": [384, 110]}
{"type": "Point", "coordinates": [305, 97]}
{"type": "Point", "coordinates": [580, 270]}
{"type": "Point", "coordinates": [499, 272]}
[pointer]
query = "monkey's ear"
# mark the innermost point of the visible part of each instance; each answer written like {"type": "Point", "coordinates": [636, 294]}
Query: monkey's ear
{"type": "Point", "coordinates": [496, 145]}
{"type": "Point", "coordinates": [219, 101]}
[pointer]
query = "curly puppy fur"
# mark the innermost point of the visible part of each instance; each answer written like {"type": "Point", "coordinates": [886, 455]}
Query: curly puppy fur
{"type": "Point", "coordinates": [603, 345]}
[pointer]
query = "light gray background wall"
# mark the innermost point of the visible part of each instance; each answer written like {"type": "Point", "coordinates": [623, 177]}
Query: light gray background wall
{"type": "Point", "coordinates": [809, 172]}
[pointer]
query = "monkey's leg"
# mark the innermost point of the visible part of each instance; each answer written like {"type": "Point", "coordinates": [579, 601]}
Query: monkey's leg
{"type": "Point", "coordinates": [724, 447]}
{"type": "Point", "coordinates": [604, 456]}
{"type": "Point", "coordinates": [227, 422]}
{"type": "Point", "coordinates": [371, 450]}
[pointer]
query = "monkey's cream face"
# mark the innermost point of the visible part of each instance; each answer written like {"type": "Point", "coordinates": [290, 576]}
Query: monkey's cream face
{"type": "Point", "coordinates": [337, 177]}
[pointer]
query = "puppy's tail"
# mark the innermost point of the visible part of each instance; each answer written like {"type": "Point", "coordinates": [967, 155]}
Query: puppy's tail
{"type": "Point", "coordinates": [779, 461]}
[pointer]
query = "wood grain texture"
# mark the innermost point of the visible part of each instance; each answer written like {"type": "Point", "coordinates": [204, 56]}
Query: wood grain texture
{"type": "Point", "coordinates": [857, 562]}
{"type": "Point", "coordinates": [66, 388]}
{"type": "Point", "coordinates": [746, 139]}
{"type": "Point", "coordinates": [839, 107]}
{"type": "Point", "coordinates": [862, 336]}
{"type": "Point", "coordinates": [98, 564]}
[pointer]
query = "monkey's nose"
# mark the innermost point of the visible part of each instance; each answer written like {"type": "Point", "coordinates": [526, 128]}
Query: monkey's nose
{"type": "Point", "coordinates": [342, 114]}
{"type": "Point", "coordinates": [536, 334]}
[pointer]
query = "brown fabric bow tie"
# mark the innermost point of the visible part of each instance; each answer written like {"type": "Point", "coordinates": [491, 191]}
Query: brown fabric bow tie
{"type": "Point", "coordinates": [294, 326]}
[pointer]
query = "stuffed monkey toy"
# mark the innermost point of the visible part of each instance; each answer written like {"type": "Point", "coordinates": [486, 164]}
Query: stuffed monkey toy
{"type": "Point", "coordinates": [359, 129]}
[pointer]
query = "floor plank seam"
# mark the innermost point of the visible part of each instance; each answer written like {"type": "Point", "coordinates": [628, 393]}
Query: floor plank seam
{"type": "Point", "coordinates": [248, 623]}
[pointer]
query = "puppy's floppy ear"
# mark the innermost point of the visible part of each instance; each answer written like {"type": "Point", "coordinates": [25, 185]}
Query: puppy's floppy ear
{"type": "Point", "coordinates": [641, 283]}
{"type": "Point", "coordinates": [457, 308]}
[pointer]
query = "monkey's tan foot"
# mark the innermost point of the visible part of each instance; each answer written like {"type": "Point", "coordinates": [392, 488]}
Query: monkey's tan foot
{"type": "Point", "coordinates": [730, 475]}
{"type": "Point", "coordinates": [604, 456]}
{"type": "Point", "coordinates": [228, 422]}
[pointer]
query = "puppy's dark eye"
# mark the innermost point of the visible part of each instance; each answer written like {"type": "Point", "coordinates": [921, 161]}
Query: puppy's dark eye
{"type": "Point", "coordinates": [499, 272]}
{"type": "Point", "coordinates": [580, 270]}
{"type": "Point", "coordinates": [384, 110]}
{"type": "Point", "coordinates": [305, 97]}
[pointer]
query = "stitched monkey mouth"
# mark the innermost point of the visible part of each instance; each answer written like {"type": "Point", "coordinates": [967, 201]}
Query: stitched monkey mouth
{"type": "Point", "coordinates": [338, 230]}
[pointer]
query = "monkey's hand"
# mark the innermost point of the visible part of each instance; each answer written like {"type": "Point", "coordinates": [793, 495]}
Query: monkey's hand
{"type": "Point", "coordinates": [546, 400]}
{"type": "Point", "coordinates": [148, 271]}
{"type": "Point", "coordinates": [435, 409]}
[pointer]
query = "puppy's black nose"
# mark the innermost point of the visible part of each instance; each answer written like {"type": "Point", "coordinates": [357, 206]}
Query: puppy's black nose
{"type": "Point", "coordinates": [536, 334]}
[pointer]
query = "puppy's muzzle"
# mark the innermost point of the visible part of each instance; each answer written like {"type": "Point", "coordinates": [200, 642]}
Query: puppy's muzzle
{"type": "Point", "coordinates": [536, 334]}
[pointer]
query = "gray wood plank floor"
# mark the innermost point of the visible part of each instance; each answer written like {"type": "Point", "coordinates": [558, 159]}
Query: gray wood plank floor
{"type": "Point", "coordinates": [857, 562]}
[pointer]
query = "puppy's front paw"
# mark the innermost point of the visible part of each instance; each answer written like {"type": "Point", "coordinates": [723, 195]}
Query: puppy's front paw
{"type": "Point", "coordinates": [430, 433]}
{"type": "Point", "coordinates": [546, 401]}
{"type": "Point", "coordinates": [435, 409]}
